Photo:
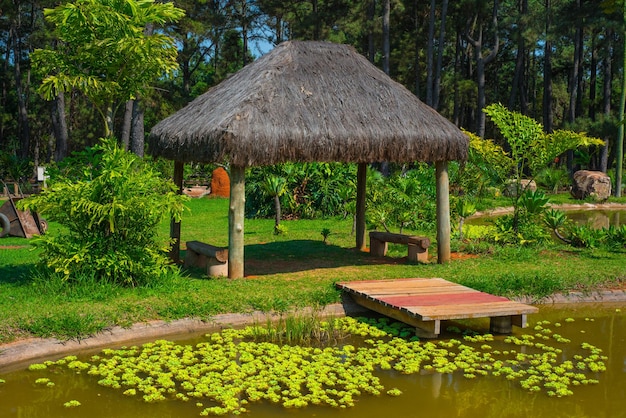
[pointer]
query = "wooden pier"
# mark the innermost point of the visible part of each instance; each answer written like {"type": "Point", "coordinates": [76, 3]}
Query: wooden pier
{"type": "Point", "coordinates": [424, 303]}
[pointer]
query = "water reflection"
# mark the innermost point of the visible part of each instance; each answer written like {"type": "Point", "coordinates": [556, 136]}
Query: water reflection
{"type": "Point", "coordinates": [598, 218]}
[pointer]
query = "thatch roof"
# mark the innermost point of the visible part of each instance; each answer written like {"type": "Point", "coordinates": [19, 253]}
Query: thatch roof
{"type": "Point", "coordinates": [308, 101]}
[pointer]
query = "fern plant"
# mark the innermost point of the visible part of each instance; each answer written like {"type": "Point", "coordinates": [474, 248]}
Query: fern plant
{"type": "Point", "coordinates": [110, 214]}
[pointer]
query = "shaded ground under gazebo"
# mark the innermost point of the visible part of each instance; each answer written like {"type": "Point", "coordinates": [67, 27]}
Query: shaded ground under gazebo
{"type": "Point", "coordinates": [305, 102]}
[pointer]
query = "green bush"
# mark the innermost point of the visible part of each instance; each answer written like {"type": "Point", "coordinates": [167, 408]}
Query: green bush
{"type": "Point", "coordinates": [310, 190]}
{"type": "Point", "coordinates": [552, 179]}
{"type": "Point", "coordinates": [110, 203]}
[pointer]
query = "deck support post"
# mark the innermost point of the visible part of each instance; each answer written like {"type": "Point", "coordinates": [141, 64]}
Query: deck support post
{"type": "Point", "coordinates": [174, 225]}
{"type": "Point", "coordinates": [428, 329]}
{"type": "Point", "coordinates": [443, 212]}
{"type": "Point", "coordinates": [361, 185]}
{"type": "Point", "coordinates": [501, 324]}
{"type": "Point", "coordinates": [235, 221]}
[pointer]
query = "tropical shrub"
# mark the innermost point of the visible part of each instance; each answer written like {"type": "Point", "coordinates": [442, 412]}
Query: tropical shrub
{"type": "Point", "coordinates": [110, 202]}
{"type": "Point", "coordinates": [531, 149]}
{"type": "Point", "coordinates": [552, 179]}
{"type": "Point", "coordinates": [308, 190]}
{"type": "Point", "coordinates": [407, 199]}
{"type": "Point", "coordinates": [14, 168]}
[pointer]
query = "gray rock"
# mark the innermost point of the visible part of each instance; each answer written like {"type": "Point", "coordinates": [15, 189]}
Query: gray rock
{"type": "Point", "coordinates": [511, 187]}
{"type": "Point", "coordinates": [591, 183]}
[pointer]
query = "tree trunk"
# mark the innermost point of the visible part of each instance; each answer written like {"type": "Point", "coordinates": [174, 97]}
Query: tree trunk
{"type": "Point", "coordinates": [606, 98]}
{"type": "Point", "coordinates": [316, 21]}
{"type": "Point", "coordinates": [59, 126]}
{"type": "Point", "coordinates": [548, 117]}
{"type": "Point", "coordinates": [277, 211]}
{"type": "Point", "coordinates": [126, 124]}
{"type": "Point", "coordinates": [456, 113]}
{"type": "Point", "coordinates": [236, 222]}
{"type": "Point", "coordinates": [593, 76]}
{"type": "Point", "coordinates": [244, 31]}
{"type": "Point", "coordinates": [137, 135]}
{"type": "Point", "coordinates": [440, 48]}
{"type": "Point", "coordinates": [430, 54]}
{"type": "Point", "coordinates": [573, 89]}
{"type": "Point", "coordinates": [371, 45]}
{"type": "Point", "coordinates": [481, 62]}
{"type": "Point", "coordinates": [386, 44]}
{"type": "Point", "coordinates": [518, 87]}
{"type": "Point", "coordinates": [619, 146]}
{"type": "Point", "coordinates": [20, 90]}
{"type": "Point", "coordinates": [384, 165]}
{"type": "Point", "coordinates": [417, 48]}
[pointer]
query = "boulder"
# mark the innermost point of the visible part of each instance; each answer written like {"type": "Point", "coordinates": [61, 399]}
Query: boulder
{"type": "Point", "coordinates": [511, 186]}
{"type": "Point", "coordinates": [196, 191]}
{"type": "Point", "coordinates": [595, 184]}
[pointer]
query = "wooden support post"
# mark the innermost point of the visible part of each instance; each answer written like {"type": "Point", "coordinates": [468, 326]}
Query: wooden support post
{"type": "Point", "coordinates": [443, 212]}
{"type": "Point", "coordinates": [501, 325]}
{"type": "Point", "coordinates": [378, 247]}
{"type": "Point", "coordinates": [361, 189]}
{"type": "Point", "coordinates": [235, 221]}
{"type": "Point", "coordinates": [520, 320]}
{"type": "Point", "coordinates": [175, 226]}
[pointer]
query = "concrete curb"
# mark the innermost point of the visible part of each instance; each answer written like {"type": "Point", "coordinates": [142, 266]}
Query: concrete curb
{"type": "Point", "coordinates": [18, 354]}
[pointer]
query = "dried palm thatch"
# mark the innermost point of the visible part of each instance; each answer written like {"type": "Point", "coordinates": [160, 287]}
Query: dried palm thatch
{"type": "Point", "coordinates": [308, 101]}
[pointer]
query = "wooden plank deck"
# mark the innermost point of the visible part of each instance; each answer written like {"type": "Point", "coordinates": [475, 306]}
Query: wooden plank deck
{"type": "Point", "coordinates": [424, 303]}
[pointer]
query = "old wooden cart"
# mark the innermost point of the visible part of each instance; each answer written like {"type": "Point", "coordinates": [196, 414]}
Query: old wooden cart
{"type": "Point", "coordinates": [19, 223]}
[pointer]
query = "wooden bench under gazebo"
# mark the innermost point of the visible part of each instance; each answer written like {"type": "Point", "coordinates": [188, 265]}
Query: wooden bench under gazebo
{"type": "Point", "coordinates": [306, 102]}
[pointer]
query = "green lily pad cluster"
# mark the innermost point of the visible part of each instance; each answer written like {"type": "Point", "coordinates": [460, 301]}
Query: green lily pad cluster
{"type": "Point", "coordinates": [234, 368]}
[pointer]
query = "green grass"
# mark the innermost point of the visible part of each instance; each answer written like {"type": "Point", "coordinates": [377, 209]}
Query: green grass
{"type": "Point", "coordinates": [284, 272]}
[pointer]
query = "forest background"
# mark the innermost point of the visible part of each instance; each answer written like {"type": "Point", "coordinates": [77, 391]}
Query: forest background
{"type": "Point", "coordinates": [558, 61]}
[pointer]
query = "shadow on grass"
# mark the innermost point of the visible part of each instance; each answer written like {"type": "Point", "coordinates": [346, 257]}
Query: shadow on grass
{"type": "Point", "coordinates": [298, 256]}
{"type": "Point", "coordinates": [18, 275]}
{"type": "Point", "coordinates": [302, 255]}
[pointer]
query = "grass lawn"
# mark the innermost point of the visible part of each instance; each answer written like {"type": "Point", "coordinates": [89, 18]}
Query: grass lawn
{"type": "Point", "coordinates": [283, 272]}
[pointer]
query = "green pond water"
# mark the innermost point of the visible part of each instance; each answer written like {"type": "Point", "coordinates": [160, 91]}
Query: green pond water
{"type": "Point", "coordinates": [598, 218]}
{"type": "Point", "coordinates": [425, 394]}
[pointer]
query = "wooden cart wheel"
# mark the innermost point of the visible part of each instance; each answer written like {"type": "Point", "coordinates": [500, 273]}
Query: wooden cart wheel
{"type": "Point", "coordinates": [5, 224]}
{"type": "Point", "coordinates": [43, 226]}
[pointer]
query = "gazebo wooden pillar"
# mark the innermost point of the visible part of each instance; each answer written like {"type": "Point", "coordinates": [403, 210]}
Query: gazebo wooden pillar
{"type": "Point", "coordinates": [175, 225]}
{"type": "Point", "coordinates": [443, 212]}
{"type": "Point", "coordinates": [236, 221]}
{"type": "Point", "coordinates": [361, 185]}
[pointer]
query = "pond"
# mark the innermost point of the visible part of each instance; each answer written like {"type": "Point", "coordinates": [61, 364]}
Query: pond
{"type": "Point", "coordinates": [598, 218]}
{"type": "Point", "coordinates": [583, 330]}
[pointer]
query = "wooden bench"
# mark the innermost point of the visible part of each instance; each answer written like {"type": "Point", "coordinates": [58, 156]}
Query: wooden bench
{"type": "Point", "coordinates": [417, 246]}
{"type": "Point", "coordinates": [214, 259]}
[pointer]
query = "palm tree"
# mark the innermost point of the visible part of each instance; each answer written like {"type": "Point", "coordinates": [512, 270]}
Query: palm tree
{"type": "Point", "coordinates": [275, 186]}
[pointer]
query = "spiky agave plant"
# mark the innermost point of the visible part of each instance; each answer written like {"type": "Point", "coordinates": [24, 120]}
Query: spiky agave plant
{"type": "Point", "coordinates": [556, 219]}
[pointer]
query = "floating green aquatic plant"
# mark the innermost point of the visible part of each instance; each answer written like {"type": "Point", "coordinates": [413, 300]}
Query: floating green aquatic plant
{"type": "Point", "coordinates": [233, 368]}
{"type": "Point", "coordinates": [71, 404]}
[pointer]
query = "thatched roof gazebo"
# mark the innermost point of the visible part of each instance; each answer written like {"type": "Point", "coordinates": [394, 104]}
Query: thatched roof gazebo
{"type": "Point", "coordinates": [305, 102]}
